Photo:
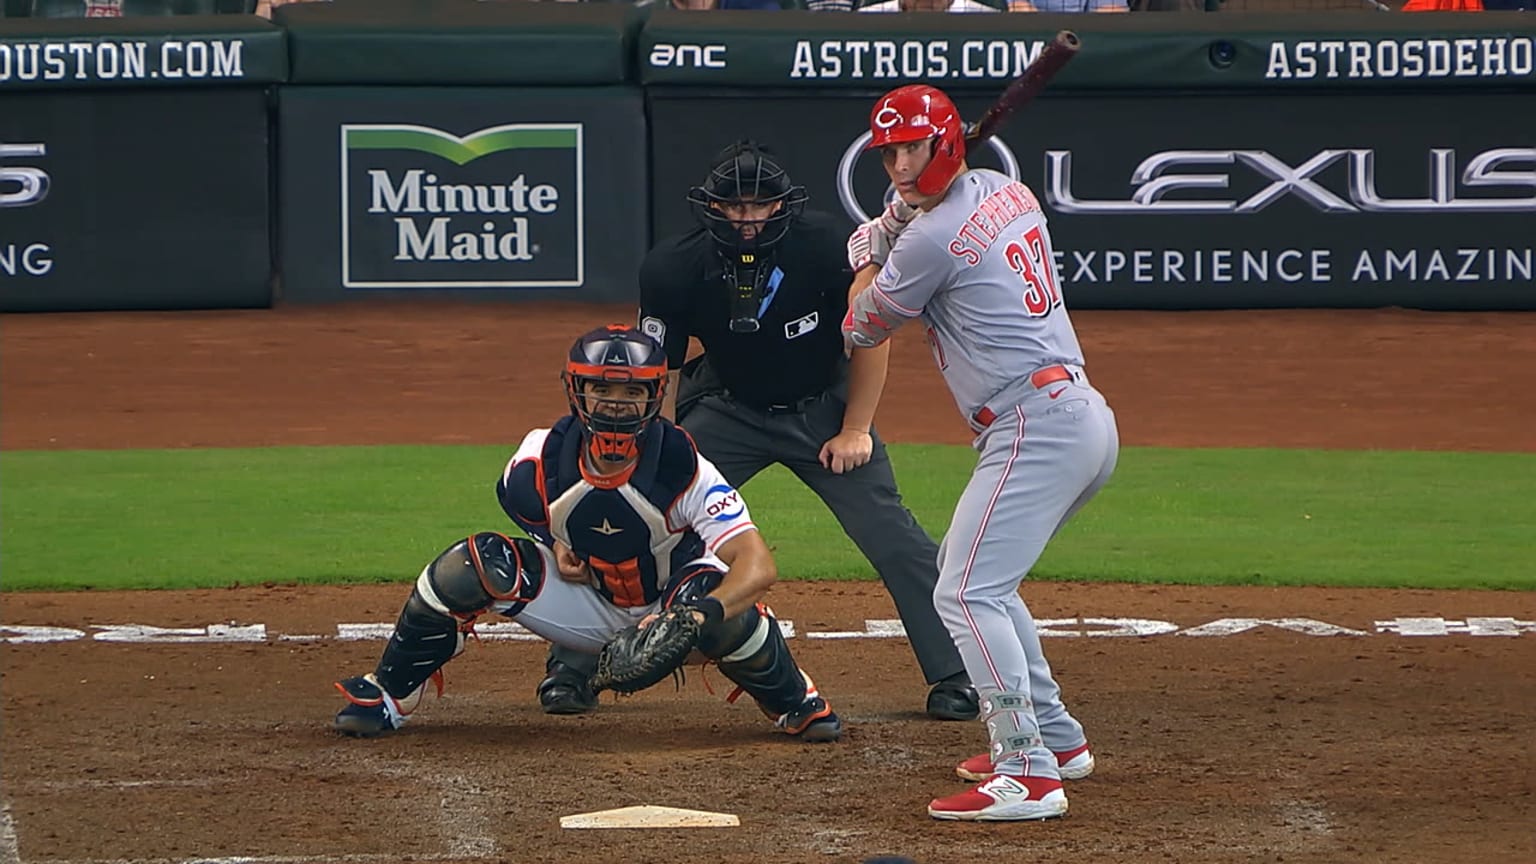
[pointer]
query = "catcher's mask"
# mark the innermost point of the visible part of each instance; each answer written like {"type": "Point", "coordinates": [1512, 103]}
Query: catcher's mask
{"type": "Point", "coordinates": [747, 203]}
{"type": "Point", "coordinates": [602, 366]}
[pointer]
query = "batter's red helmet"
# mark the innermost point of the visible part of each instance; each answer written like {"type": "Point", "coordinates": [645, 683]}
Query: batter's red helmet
{"type": "Point", "coordinates": [914, 113]}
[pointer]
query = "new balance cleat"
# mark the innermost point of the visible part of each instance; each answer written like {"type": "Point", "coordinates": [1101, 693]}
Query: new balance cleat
{"type": "Point", "coordinates": [1004, 798]}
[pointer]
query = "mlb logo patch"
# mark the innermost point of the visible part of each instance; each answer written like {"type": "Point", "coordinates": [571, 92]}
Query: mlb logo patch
{"type": "Point", "coordinates": [104, 8]}
{"type": "Point", "coordinates": [801, 326]}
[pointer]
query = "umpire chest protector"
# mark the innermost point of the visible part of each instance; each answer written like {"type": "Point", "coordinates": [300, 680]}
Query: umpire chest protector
{"type": "Point", "coordinates": [621, 531]}
{"type": "Point", "coordinates": [797, 351]}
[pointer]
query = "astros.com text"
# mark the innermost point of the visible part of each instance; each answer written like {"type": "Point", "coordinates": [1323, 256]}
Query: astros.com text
{"type": "Point", "coordinates": [913, 58]}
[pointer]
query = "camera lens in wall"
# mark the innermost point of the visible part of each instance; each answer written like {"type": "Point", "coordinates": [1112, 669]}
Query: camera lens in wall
{"type": "Point", "coordinates": [1222, 53]}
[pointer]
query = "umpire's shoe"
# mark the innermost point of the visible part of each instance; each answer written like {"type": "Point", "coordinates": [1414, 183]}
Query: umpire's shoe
{"type": "Point", "coordinates": [566, 691]}
{"type": "Point", "coordinates": [954, 699]}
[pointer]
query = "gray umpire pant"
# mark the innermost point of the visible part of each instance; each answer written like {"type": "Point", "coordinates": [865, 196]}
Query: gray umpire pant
{"type": "Point", "coordinates": [741, 441]}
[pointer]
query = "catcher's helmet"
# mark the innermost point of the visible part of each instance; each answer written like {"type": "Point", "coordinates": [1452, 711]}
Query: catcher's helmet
{"type": "Point", "coordinates": [615, 354]}
{"type": "Point", "coordinates": [742, 173]}
{"type": "Point", "coordinates": [914, 113]}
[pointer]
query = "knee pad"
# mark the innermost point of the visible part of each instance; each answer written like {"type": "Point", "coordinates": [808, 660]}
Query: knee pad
{"type": "Point", "coordinates": [485, 572]}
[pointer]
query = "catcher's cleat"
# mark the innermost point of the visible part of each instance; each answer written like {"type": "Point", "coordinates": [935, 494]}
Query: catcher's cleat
{"type": "Point", "coordinates": [1004, 798]}
{"type": "Point", "coordinates": [814, 720]}
{"type": "Point", "coordinates": [371, 711]}
{"type": "Point", "coordinates": [953, 699]}
{"type": "Point", "coordinates": [566, 691]}
{"type": "Point", "coordinates": [1074, 764]}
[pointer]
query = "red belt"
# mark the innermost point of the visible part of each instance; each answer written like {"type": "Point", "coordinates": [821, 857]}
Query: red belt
{"type": "Point", "coordinates": [1040, 379]}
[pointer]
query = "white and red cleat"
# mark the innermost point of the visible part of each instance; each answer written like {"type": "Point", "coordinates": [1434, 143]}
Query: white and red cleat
{"type": "Point", "coordinates": [1004, 798]}
{"type": "Point", "coordinates": [1073, 764]}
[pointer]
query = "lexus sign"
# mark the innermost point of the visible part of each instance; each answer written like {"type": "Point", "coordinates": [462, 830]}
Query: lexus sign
{"type": "Point", "coordinates": [1501, 180]}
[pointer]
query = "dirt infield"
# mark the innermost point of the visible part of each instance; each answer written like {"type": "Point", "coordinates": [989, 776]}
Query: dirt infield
{"type": "Point", "coordinates": [1230, 724]}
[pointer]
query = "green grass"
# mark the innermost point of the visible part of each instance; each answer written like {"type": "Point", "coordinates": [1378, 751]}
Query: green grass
{"type": "Point", "coordinates": [210, 518]}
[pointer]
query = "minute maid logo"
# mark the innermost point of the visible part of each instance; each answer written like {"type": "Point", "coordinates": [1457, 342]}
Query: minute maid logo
{"type": "Point", "coordinates": [497, 208]}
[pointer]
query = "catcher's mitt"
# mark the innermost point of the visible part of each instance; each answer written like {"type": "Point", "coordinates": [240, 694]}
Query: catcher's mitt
{"type": "Point", "coordinates": [638, 657]}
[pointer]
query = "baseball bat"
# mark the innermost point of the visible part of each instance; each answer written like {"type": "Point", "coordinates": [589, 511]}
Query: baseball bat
{"type": "Point", "coordinates": [1027, 86]}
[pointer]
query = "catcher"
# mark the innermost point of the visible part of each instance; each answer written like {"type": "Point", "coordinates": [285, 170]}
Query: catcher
{"type": "Point", "coordinates": [644, 554]}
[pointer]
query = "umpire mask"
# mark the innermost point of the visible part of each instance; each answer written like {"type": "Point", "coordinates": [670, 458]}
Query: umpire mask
{"type": "Point", "coordinates": [747, 204]}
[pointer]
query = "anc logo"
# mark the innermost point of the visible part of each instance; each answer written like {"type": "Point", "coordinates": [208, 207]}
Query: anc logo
{"type": "Point", "coordinates": [497, 208]}
{"type": "Point", "coordinates": [845, 169]}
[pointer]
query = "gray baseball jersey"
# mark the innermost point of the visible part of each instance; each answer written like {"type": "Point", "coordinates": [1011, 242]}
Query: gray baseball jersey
{"type": "Point", "coordinates": [979, 270]}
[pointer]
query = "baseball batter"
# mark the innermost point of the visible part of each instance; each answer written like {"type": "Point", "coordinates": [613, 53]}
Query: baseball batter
{"type": "Point", "coordinates": [975, 264]}
{"type": "Point", "coordinates": [627, 519]}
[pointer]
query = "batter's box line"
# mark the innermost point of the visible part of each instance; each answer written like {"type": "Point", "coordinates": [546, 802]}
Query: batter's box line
{"type": "Point", "coordinates": [368, 858]}
{"type": "Point", "coordinates": [1095, 627]}
{"type": "Point", "coordinates": [10, 853]}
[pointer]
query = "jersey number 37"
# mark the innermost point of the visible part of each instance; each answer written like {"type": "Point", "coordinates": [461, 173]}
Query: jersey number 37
{"type": "Point", "coordinates": [1030, 257]}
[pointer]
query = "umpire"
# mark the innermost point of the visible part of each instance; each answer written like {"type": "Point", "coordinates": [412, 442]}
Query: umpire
{"type": "Point", "coordinates": [762, 283]}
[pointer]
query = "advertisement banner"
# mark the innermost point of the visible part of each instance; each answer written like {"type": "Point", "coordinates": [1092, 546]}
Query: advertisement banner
{"type": "Point", "coordinates": [807, 50]}
{"type": "Point", "coordinates": [1205, 202]}
{"type": "Point", "coordinates": [148, 51]}
{"type": "Point", "coordinates": [420, 191]}
{"type": "Point", "coordinates": [134, 200]}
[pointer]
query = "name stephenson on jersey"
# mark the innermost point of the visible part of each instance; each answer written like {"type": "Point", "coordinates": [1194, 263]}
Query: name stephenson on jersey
{"type": "Point", "coordinates": [672, 507]}
{"type": "Point", "coordinates": [980, 271]}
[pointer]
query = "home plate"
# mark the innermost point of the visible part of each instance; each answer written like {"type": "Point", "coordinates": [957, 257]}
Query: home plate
{"type": "Point", "coordinates": [650, 816]}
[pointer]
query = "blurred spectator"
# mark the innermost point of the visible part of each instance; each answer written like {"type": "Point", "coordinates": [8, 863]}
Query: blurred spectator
{"type": "Point", "coordinates": [1469, 5]}
{"type": "Point", "coordinates": [1069, 6]}
{"type": "Point", "coordinates": [929, 6]}
{"type": "Point", "coordinates": [264, 7]}
{"type": "Point", "coordinates": [134, 8]}
{"type": "Point", "coordinates": [730, 4]}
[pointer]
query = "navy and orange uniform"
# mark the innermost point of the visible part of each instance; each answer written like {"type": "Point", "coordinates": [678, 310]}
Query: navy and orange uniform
{"type": "Point", "coordinates": [636, 529]}
{"type": "Point", "coordinates": [649, 531]}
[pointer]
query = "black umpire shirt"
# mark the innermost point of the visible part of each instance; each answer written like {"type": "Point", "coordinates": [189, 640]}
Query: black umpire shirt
{"type": "Point", "coordinates": [797, 350]}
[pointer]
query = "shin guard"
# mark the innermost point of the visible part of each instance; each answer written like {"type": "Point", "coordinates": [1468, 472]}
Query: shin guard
{"type": "Point", "coordinates": [424, 640]}
{"type": "Point", "coordinates": [750, 650]}
{"type": "Point", "coordinates": [759, 663]}
{"type": "Point", "coordinates": [482, 573]}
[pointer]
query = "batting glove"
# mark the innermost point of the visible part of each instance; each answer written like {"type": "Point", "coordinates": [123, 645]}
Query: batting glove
{"type": "Point", "coordinates": [871, 242]}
